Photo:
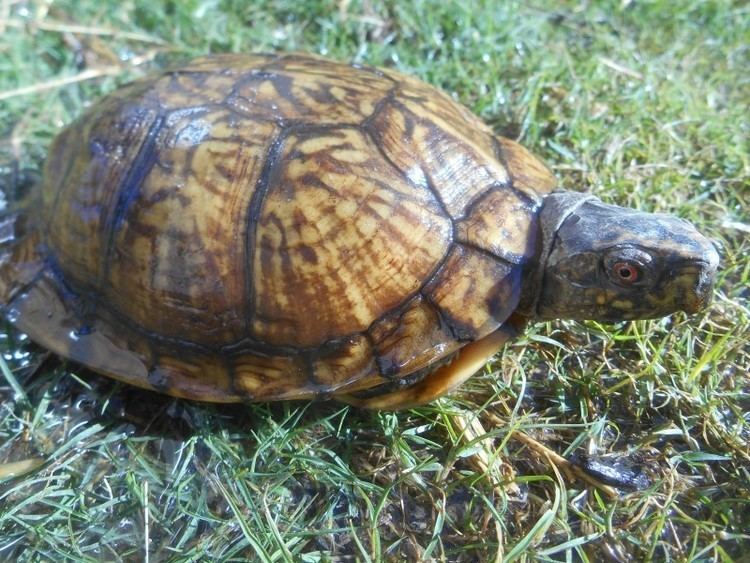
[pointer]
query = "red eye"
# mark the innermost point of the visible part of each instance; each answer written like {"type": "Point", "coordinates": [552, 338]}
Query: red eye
{"type": "Point", "coordinates": [625, 272]}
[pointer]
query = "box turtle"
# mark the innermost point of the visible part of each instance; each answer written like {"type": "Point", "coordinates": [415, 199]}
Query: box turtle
{"type": "Point", "coordinates": [265, 227]}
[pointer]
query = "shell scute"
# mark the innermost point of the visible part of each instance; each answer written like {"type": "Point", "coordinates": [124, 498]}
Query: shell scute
{"type": "Point", "coordinates": [184, 238]}
{"type": "Point", "coordinates": [471, 276]}
{"type": "Point", "coordinates": [47, 314]}
{"type": "Point", "coordinates": [503, 223]}
{"type": "Point", "coordinates": [80, 197]}
{"type": "Point", "coordinates": [343, 235]}
{"type": "Point", "coordinates": [410, 339]}
{"type": "Point", "coordinates": [293, 89]}
{"type": "Point", "coordinates": [260, 377]}
{"type": "Point", "coordinates": [527, 172]}
{"type": "Point", "coordinates": [347, 362]}
{"type": "Point", "coordinates": [227, 64]}
{"type": "Point", "coordinates": [428, 151]}
{"type": "Point", "coordinates": [205, 377]}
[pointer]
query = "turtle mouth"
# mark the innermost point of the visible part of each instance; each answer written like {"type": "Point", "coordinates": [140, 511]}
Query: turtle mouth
{"type": "Point", "coordinates": [700, 276]}
{"type": "Point", "coordinates": [702, 296]}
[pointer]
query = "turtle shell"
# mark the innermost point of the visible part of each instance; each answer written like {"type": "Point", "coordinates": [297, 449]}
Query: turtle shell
{"type": "Point", "coordinates": [272, 227]}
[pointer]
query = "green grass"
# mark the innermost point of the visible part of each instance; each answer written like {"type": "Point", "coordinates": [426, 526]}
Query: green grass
{"type": "Point", "coordinates": [643, 103]}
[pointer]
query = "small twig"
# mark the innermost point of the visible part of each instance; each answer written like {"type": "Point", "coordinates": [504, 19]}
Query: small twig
{"type": "Point", "coordinates": [569, 468]}
{"type": "Point", "coordinates": [59, 82]}
{"type": "Point", "coordinates": [564, 464]}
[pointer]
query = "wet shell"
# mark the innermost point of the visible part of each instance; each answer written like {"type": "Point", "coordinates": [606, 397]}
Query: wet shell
{"type": "Point", "coordinates": [272, 227]}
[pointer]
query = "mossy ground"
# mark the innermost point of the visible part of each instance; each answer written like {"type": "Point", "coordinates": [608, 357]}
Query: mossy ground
{"type": "Point", "coordinates": [643, 103]}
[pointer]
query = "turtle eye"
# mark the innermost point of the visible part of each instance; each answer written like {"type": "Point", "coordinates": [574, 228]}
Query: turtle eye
{"type": "Point", "coordinates": [625, 273]}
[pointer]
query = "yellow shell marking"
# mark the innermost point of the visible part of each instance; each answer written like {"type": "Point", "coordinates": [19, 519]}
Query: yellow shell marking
{"type": "Point", "coordinates": [342, 233]}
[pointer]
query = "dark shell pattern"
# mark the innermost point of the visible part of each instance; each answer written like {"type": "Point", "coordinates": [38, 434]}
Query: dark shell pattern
{"type": "Point", "coordinates": [260, 227]}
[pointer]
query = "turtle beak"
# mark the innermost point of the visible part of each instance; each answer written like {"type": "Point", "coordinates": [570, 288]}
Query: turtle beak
{"type": "Point", "coordinates": [703, 274]}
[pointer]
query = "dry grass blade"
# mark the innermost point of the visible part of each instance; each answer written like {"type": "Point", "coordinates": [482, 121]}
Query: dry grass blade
{"type": "Point", "coordinates": [17, 468]}
{"type": "Point", "coordinates": [617, 67]}
{"type": "Point", "coordinates": [146, 524]}
{"type": "Point", "coordinates": [20, 393]}
{"type": "Point", "coordinates": [61, 27]}
{"type": "Point", "coordinates": [88, 74]}
{"type": "Point", "coordinates": [484, 459]}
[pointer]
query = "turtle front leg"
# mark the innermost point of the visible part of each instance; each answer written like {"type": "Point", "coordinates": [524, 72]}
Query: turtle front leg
{"type": "Point", "coordinates": [470, 359]}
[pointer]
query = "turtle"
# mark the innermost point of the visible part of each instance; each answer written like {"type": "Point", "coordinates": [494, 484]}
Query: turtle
{"type": "Point", "coordinates": [260, 227]}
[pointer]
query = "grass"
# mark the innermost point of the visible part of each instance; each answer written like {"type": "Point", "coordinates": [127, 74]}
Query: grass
{"type": "Point", "coordinates": [643, 103]}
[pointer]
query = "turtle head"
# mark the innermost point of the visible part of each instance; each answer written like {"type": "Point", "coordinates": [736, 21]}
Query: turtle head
{"type": "Point", "coordinates": [608, 263]}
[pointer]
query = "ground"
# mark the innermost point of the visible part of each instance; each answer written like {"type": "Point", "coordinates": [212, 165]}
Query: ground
{"type": "Point", "coordinates": [643, 103]}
